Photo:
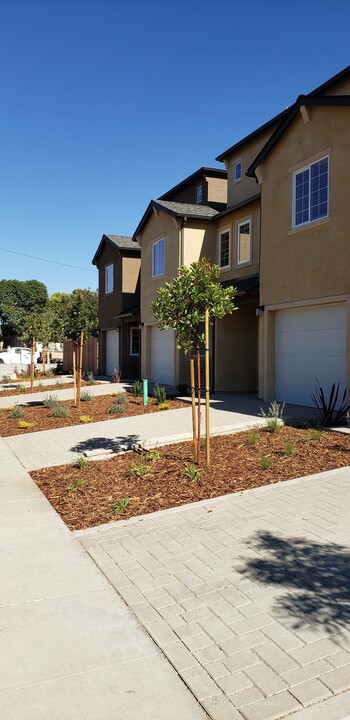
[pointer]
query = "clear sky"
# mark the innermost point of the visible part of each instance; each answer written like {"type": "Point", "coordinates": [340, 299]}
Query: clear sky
{"type": "Point", "coordinates": [107, 104]}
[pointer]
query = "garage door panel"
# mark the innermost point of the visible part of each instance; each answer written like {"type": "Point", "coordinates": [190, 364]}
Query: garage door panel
{"type": "Point", "coordinates": [309, 343]}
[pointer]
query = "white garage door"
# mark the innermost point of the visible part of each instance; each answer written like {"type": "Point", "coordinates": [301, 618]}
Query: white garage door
{"type": "Point", "coordinates": [112, 351]}
{"type": "Point", "coordinates": [309, 343]}
{"type": "Point", "coordinates": [162, 356]}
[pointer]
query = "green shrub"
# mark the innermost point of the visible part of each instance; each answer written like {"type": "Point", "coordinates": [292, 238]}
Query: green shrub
{"type": "Point", "coordinates": [81, 462]}
{"type": "Point", "coordinates": [75, 485]}
{"type": "Point", "coordinates": [121, 505]}
{"type": "Point", "coordinates": [328, 412]}
{"type": "Point", "coordinates": [289, 448]}
{"type": "Point", "coordinates": [20, 387]}
{"type": "Point", "coordinates": [314, 434]}
{"type": "Point", "coordinates": [137, 388]}
{"type": "Point", "coordinates": [265, 462]}
{"type": "Point", "coordinates": [192, 472]}
{"type": "Point", "coordinates": [17, 412]}
{"type": "Point", "coordinates": [90, 379]}
{"type": "Point", "coordinates": [153, 455]}
{"type": "Point", "coordinates": [252, 436]}
{"type": "Point", "coordinates": [116, 409]}
{"type": "Point", "coordinates": [5, 379]}
{"type": "Point", "coordinates": [140, 469]}
{"type": "Point", "coordinates": [85, 396]}
{"type": "Point", "coordinates": [120, 398]}
{"type": "Point", "coordinates": [60, 411]}
{"type": "Point", "coordinates": [159, 394]}
{"type": "Point", "coordinates": [51, 401]}
{"type": "Point", "coordinates": [272, 425]}
{"type": "Point", "coordinates": [272, 416]}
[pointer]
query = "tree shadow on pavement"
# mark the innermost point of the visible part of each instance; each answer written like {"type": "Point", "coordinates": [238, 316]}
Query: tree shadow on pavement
{"type": "Point", "coordinates": [103, 444]}
{"type": "Point", "coordinates": [316, 578]}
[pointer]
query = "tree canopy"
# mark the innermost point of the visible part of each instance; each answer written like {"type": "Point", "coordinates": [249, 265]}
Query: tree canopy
{"type": "Point", "coordinates": [17, 300]}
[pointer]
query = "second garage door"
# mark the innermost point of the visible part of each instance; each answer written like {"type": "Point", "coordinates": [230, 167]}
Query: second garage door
{"type": "Point", "coordinates": [309, 343]}
{"type": "Point", "coordinates": [162, 356]}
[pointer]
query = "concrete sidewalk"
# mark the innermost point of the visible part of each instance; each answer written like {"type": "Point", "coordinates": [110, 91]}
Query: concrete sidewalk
{"type": "Point", "coordinates": [62, 393]}
{"type": "Point", "coordinates": [247, 595]}
{"type": "Point", "coordinates": [70, 648]}
{"type": "Point", "coordinates": [229, 412]}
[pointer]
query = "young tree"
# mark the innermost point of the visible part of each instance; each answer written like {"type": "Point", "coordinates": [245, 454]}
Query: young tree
{"type": "Point", "coordinates": [181, 305]}
{"type": "Point", "coordinates": [79, 320]}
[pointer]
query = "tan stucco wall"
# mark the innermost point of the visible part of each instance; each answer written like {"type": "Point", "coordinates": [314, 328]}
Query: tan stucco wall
{"type": "Point", "coordinates": [230, 222]}
{"type": "Point", "coordinates": [242, 190]}
{"type": "Point", "coordinates": [313, 260]}
{"type": "Point", "coordinates": [217, 189]}
{"type": "Point", "coordinates": [236, 350]}
{"type": "Point", "coordinates": [198, 242]}
{"type": "Point", "coordinates": [130, 274]}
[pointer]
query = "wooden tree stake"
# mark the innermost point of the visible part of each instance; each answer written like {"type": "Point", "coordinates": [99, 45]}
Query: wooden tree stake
{"type": "Point", "coordinates": [207, 386]}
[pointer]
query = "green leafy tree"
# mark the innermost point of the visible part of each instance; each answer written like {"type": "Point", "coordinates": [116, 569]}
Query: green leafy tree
{"type": "Point", "coordinates": [181, 305]}
{"type": "Point", "coordinates": [79, 320]}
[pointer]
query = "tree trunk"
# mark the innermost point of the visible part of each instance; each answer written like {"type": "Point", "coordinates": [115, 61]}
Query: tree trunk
{"type": "Point", "coordinates": [44, 354]}
{"type": "Point", "coordinates": [32, 350]}
{"type": "Point", "coordinates": [80, 367]}
{"type": "Point", "coordinates": [198, 402]}
{"type": "Point", "coordinates": [74, 346]}
{"type": "Point", "coordinates": [207, 388]}
{"type": "Point", "coordinates": [193, 402]}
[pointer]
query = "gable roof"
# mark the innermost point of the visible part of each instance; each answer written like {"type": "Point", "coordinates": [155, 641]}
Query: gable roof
{"type": "Point", "coordinates": [120, 242]}
{"type": "Point", "coordinates": [238, 145]}
{"type": "Point", "coordinates": [175, 209]}
{"type": "Point", "coordinates": [209, 172]}
{"type": "Point", "coordinates": [315, 97]}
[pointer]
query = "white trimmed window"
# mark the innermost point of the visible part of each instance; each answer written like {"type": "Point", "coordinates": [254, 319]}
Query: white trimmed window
{"type": "Point", "coordinates": [244, 242]}
{"type": "Point", "coordinates": [109, 278]}
{"type": "Point", "coordinates": [237, 171]}
{"type": "Point", "coordinates": [134, 341]}
{"type": "Point", "coordinates": [310, 193]}
{"type": "Point", "coordinates": [224, 248]}
{"type": "Point", "coordinates": [199, 194]}
{"type": "Point", "coordinates": [158, 258]}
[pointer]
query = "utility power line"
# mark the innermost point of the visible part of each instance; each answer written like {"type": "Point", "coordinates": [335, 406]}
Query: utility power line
{"type": "Point", "coordinates": [54, 262]}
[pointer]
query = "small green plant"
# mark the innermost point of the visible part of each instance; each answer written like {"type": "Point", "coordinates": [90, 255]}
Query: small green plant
{"type": "Point", "coordinates": [81, 462]}
{"type": "Point", "coordinates": [137, 388]}
{"type": "Point", "coordinates": [159, 394]}
{"type": "Point", "coordinates": [140, 469]}
{"type": "Point", "coordinates": [85, 396]}
{"type": "Point", "coordinates": [9, 408]}
{"type": "Point", "coordinates": [20, 388]}
{"type": "Point", "coordinates": [86, 418]}
{"type": "Point", "coordinates": [289, 448]}
{"type": "Point", "coordinates": [153, 455]}
{"type": "Point", "coordinates": [192, 472]}
{"type": "Point", "coordinates": [5, 378]}
{"type": "Point", "coordinates": [252, 436]}
{"type": "Point", "coordinates": [120, 398]}
{"type": "Point", "coordinates": [40, 384]}
{"type": "Point", "coordinates": [265, 462]}
{"type": "Point", "coordinates": [116, 409]}
{"type": "Point", "coordinates": [90, 378]}
{"type": "Point", "coordinates": [75, 485]}
{"type": "Point", "coordinates": [60, 411]}
{"type": "Point", "coordinates": [326, 407]}
{"type": "Point", "coordinates": [50, 401]}
{"type": "Point", "coordinates": [17, 412]}
{"type": "Point", "coordinates": [24, 425]}
{"type": "Point", "coordinates": [272, 425]}
{"type": "Point", "coordinates": [163, 406]}
{"type": "Point", "coordinates": [120, 505]}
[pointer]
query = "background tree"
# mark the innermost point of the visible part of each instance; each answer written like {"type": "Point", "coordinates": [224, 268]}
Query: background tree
{"type": "Point", "coordinates": [78, 320]}
{"type": "Point", "coordinates": [181, 305]}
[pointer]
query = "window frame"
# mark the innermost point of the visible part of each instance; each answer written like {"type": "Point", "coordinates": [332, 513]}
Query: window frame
{"type": "Point", "coordinates": [132, 330]}
{"type": "Point", "coordinates": [108, 289]}
{"type": "Point", "coordinates": [304, 168]}
{"type": "Point", "coordinates": [222, 232]}
{"type": "Point", "coordinates": [154, 245]}
{"type": "Point", "coordinates": [235, 165]}
{"type": "Point", "coordinates": [246, 221]}
{"type": "Point", "coordinates": [199, 189]}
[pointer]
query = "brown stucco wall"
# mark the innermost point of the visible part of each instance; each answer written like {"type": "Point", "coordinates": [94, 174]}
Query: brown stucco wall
{"type": "Point", "coordinates": [236, 350]}
{"type": "Point", "coordinates": [109, 305]}
{"type": "Point", "coordinates": [230, 221]}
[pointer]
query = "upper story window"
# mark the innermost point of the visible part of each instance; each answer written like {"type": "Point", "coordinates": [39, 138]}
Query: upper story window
{"type": "Point", "coordinates": [310, 193]}
{"type": "Point", "coordinates": [237, 171]}
{"type": "Point", "coordinates": [158, 258]}
{"type": "Point", "coordinates": [134, 341]}
{"type": "Point", "coordinates": [244, 243]}
{"type": "Point", "coordinates": [109, 278]}
{"type": "Point", "coordinates": [199, 194]}
{"type": "Point", "coordinates": [224, 248]}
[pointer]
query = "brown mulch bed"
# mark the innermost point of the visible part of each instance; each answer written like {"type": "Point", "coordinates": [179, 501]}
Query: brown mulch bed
{"type": "Point", "coordinates": [97, 408]}
{"type": "Point", "coordinates": [84, 497]}
{"type": "Point", "coordinates": [56, 385]}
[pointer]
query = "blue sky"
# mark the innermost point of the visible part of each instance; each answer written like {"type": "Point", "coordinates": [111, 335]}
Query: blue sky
{"type": "Point", "coordinates": [106, 104]}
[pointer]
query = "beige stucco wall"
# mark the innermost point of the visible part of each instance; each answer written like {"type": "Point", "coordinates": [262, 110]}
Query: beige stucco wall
{"type": "Point", "coordinates": [245, 188]}
{"type": "Point", "coordinates": [313, 260]}
{"type": "Point", "coordinates": [230, 222]}
{"type": "Point", "coordinates": [217, 189]}
{"type": "Point", "coordinates": [130, 274]}
{"type": "Point", "coordinates": [236, 350]}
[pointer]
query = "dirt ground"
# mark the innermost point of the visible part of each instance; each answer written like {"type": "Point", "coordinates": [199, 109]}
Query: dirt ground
{"type": "Point", "coordinates": [133, 484]}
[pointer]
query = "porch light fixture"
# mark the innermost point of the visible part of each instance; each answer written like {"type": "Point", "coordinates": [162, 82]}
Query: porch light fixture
{"type": "Point", "coordinates": [259, 310]}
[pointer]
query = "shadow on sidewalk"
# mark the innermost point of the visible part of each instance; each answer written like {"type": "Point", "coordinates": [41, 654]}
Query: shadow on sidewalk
{"type": "Point", "coordinates": [113, 445]}
{"type": "Point", "coordinates": [317, 576]}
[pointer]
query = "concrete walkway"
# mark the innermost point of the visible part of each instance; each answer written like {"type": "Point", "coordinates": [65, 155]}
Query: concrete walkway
{"type": "Point", "coordinates": [62, 393]}
{"type": "Point", "coordinates": [229, 412]}
{"type": "Point", "coordinates": [70, 648]}
{"type": "Point", "coordinates": [248, 595]}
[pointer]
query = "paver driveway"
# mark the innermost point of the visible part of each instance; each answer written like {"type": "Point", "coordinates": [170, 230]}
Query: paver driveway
{"type": "Point", "coordinates": [248, 596]}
